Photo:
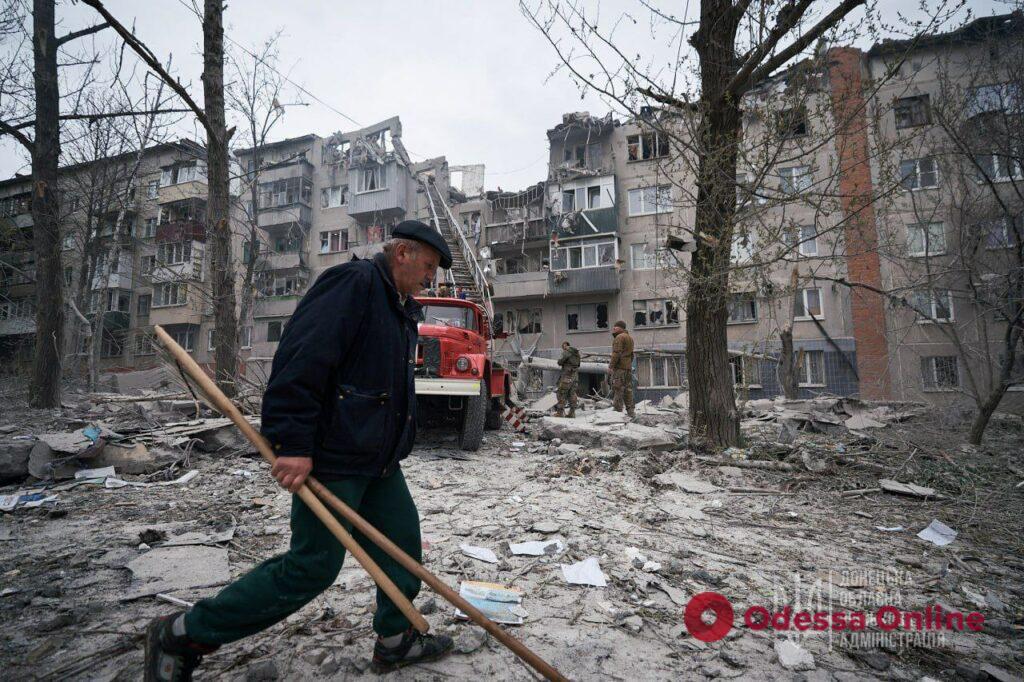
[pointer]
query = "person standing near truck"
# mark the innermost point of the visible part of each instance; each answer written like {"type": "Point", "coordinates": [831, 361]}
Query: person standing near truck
{"type": "Point", "coordinates": [568, 380]}
{"type": "Point", "coordinates": [621, 369]}
{"type": "Point", "coordinates": [340, 404]}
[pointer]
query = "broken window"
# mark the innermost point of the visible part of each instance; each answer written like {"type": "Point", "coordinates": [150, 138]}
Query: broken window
{"type": "Point", "coordinates": [742, 308]}
{"type": "Point", "coordinates": [746, 371]}
{"type": "Point", "coordinates": [274, 331]}
{"type": "Point", "coordinates": [655, 312]}
{"type": "Point", "coordinates": [586, 316]}
{"type": "Point", "coordinates": [332, 241]}
{"type": "Point", "coordinates": [285, 192]}
{"type": "Point", "coordinates": [333, 197]}
{"type": "Point", "coordinates": [594, 197]}
{"type": "Point", "coordinates": [584, 254]}
{"type": "Point", "coordinates": [911, 112]}
{"type": "Point", "coordinates": [528, 321]}
{"type": "Point", "coordinates": [644, 146]}
{"type": "Point", "coordinates": [940, 373]}
{"type": "Point", "coordinates": [568, 201]}
{"type": "Point", "coordinates": [793, 122]}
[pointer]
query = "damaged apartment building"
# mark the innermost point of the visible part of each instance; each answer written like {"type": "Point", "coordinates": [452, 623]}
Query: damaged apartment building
{"type": "Point", "coordinates": [322, 201]}
{"type": "Point", "coordinates": [311, 202]}
{"type": "Point", "coordinates": [156, 224]}
{"type": "Point", "coordinates": [588, 246]}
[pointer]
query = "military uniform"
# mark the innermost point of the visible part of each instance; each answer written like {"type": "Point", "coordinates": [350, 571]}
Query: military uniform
{"type": "Point", "coordinates": [569, 380]}
{"type": "Point", "coordinates": [621, 367]}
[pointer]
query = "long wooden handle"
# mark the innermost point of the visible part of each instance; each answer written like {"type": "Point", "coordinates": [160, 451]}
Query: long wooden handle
{"type": "Point", "coordinates": [438, 585]}
{"type": "Point", "coordinates": [228, 409]}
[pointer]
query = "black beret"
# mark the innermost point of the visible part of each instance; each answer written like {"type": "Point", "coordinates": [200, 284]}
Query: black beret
{"type": "Point", "coordinates": [421, 232]}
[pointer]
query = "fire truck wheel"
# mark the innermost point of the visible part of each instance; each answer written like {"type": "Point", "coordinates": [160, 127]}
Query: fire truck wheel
{"type": "Point", "coordinates": [471, 430]}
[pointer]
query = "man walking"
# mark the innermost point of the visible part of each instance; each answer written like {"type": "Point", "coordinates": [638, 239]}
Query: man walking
{"type": "Point", "coordinates": [341, 404]}
{"type": "Point", "coordinates": [568, 380]}
{"type": "Point", "coordinates": [621, 368]}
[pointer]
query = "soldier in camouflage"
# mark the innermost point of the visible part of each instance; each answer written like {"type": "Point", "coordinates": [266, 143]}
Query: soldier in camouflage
{"type": "Point", "coordinates": [568, 380]}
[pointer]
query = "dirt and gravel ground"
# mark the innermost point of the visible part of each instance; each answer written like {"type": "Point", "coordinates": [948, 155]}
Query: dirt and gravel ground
{"type": "Point", "coordinates": [72, 610]}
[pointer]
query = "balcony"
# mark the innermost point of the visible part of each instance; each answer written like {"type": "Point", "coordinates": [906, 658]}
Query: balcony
{"type": "Point", "coordinates": [192, 189]}
{"type": "Point", "coordinates": [290, 214]}
{"type": "Point", "coordinates": [181, 231]}
{"type": "Point", "coordinates": [272, 260]}
{"type": "Point", "coordinates": [520, 285]}
{"type": "Point", "coordinates": [588, 223]}
{"type": "Point", "coordinates": [386, 202]}
{"type": "Point", "coordinates": [121, 279]}
{"type": "Point", "coordinates": [275, 306]}
{"type": "Point", "coordinates": [598, 280]}
{"type": "Point", "coordinates": [501, 235]}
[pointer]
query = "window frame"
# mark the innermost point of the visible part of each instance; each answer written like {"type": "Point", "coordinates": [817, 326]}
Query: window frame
{"type": "Point", "coordinates": [918, 174]}
{"type": "Point", "coordinates": [911, 107]}
{"type": "Point", "coordinates": [790, 177]}
{"type": "Point", "coordinates": [932, 385]}
{"type": "Point", "coordinates": [804, 306]}
{"type": "Point", "coordinates": [583, 246]}
{"type": "Point", "coordinates": [379, 178]}
{"type": "Point", "coordinates": [927, 240]}
{"type": "Point", "coordinates": [933, 303]}
{"type": "Point", "coordinates": [280, 330]}
{"type": "Point", "coordinates": [805, 370]}
{"type": "Point", "coordinates": [659, 198]}
{"type": "Point", "coordinates": [668, 307]}
{"type": "Point", "coordinates": [745, 371]}
{"type": "Point", "coordinates": [645, 368]}
{"type": "Point", "coordinates": [579, 317]}
{"type": "Point", "coordinates": [743, 298]}
{"type": "Point", "coordinates": [327, 237]}
{"type": "Point", "coordinates": [639, 144]}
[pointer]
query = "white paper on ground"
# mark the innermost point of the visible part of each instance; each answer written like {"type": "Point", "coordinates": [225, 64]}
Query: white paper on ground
{"type": "Point", "coordinates": [938, 533]}
{"type": "Point", "coordinates": [537, 547]}
{"type": "Point", "coordinates": [481, 553]}
{"type": "Point", "coordinates": [890, 529]}
{"type": "Point", "coordinates": [95, 473]}
{"type": "Point", "coordinates": [586, 572]}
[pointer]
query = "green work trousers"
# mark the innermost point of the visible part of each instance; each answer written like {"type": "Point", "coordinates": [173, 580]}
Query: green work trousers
{"type": "Point", "coordinates": [280, 586]}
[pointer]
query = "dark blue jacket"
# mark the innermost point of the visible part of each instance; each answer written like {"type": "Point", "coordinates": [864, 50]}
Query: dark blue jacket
{"type": "Point", "coordinates": [341, 389]}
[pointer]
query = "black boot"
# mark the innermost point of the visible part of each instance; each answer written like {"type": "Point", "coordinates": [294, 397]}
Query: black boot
{"type": "Point", "coordinates": [170, 658]}
{"type": "Point", "coordinates": [414, 648]}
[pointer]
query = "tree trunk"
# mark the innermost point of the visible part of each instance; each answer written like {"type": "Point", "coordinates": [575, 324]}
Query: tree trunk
{"type": "Point", "coordinates": [787, 368]}
{"type": "Point", "coordinates": [44, 387]}
{"type": "Point", "coordinates": [985, 411]}
{"type": "Point", "coordinates": [218, 207]}
{"type": "Point", "coordinates": [713, 415]}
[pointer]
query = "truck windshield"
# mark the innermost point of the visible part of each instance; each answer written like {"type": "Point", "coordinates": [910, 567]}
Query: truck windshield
{"type": "Point", "coordinates": [450, 316]}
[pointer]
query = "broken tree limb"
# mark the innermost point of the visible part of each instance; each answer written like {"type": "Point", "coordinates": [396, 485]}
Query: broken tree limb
{"type": "Point", "coordinates": [585, 367]}
{"type": "Point", "coordinates": [228, 409]}
{"type": "Point", "coordinates": [309, 494]}
{"type": "Point", "coordinates": [751, 464]}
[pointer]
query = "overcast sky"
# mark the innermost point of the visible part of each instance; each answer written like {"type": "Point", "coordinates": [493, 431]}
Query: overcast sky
{"type": "Point", "coordinates": [470, 79]}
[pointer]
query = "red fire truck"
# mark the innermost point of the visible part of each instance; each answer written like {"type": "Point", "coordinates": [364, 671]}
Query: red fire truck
{"type": "Point", "coordinates": [457, 377]}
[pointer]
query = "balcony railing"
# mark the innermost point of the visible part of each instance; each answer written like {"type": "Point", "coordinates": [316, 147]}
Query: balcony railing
{"type": "Point", "coordinates": [583, 281]}
{"type": "Point", "coordinates": [506, 233]}
{"type": "Point", "coordinates": [520, 285]}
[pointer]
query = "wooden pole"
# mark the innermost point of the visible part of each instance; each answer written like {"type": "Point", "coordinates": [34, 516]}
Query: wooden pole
{"type": "Point", "coordinates": [435, 583]}
{"type": "Point", "coordinates": [228, 409]}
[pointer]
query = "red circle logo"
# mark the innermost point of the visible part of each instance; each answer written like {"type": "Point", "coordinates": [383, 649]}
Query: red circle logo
{"type": "Point", "coordinates": [698, 605]}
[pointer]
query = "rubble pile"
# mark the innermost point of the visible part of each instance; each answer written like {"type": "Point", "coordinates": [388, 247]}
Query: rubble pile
{"type": "Point", "coordinates": [588, 537]}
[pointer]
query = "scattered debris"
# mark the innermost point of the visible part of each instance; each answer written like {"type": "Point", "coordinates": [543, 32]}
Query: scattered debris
{"type": "Point", "coordinates": [499, 603]}
{"type": "Point", "coordinates": [175, 568]}
{"type": "Point", "coordinates": [481, 553]}
{"type": "Point", "coordinates": [537, 547]}
{"type": "Point", "coordinates": [891, 486]}
{"type": "Point", "coordinates": [792, 656]}
{"type": "Point", "coordinates": [586, 572]}
{"type": "Point", "coordinates": [938, 533]}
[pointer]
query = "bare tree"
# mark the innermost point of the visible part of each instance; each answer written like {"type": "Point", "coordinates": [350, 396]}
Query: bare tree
{"type": "Point", "coordinates": [44, 147]}
{"type": "Point", "coordinates": [212, 117]}
{"type": "Point", "coordinates": [254, 98]}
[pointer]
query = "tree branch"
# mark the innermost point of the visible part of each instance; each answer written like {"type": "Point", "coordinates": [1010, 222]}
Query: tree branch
{"type": "Point", "coordinates": [147, 56]}
{"type": "Point", "coordinates": [7, 129]}
{"type": "Point", "coordinates": [798, 46]}
{"type": "Point", "coordinates": [74, 35]}
{"type": "Point", "coordinates": [96, 117]}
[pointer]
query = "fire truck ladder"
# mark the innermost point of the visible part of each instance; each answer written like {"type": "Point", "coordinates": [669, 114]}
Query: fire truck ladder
{"type": "Point", "coordinates": [466, 271]}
